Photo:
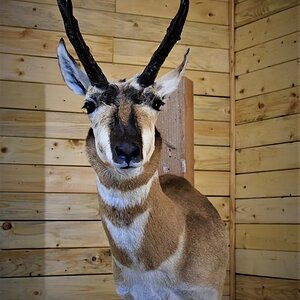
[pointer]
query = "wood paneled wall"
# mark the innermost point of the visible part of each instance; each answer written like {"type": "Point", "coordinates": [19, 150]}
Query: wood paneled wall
{"type": "Point", "coordinates": [267, 149]}
{"type": "Point", "coordinates": [47, 232]}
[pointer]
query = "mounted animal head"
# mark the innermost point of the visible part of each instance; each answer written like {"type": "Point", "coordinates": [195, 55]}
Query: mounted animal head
{"type": "Point", "coordinates": [122, 114]}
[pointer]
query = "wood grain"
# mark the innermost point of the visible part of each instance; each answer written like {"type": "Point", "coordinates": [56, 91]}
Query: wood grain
{"type": "Point", "coordinates": [252, 10]}
{"type": "Point", "coordinates": [211, 133]}
{"type": "Point", "coordinates": [59, 287]}
{"type": "Point", "coordinates": [267, 106]}
{"type": "Point", "coordinates": [268, 158]}
{"type": "Point", "coordinates": [222, 206]}
{"type": "Point", "coordinates": [21, 150]}
{"type": "Point", "coordinates": [45, 262]}
{"type": "Point", "coordinates": [268, 28]}
{"type": "Point", "coordinates": [47, 179]}
{"type": "Point", "coordinates": [257, 288]}
{"type": "Point", "coordinates": [47, 17]}
{"type": "Point", "coordinates": [206, 11]}
{"type": "Point", "coordinates": [268, 54]}
{"type": "Point", "coordinates": [268, 210]}
{"type": "Point", "coordinates": [211, 158]}
{"type": "Point", "coordinates": [268, 184]}
{"type": "Point", "coordinates": [48, 206]}
{"type": "Point", "coordinates": [52, 234]}
{"type": "Point", "coordinates": [268, 80]}
{"type": "Point", "coordinates": [280, 237]}
{"type": "Point", "coordinates": [211, 108]}
{"type": "Point", "coordinates": [273, 131]}
{"type": "Point", "coordinates": [268, 263]}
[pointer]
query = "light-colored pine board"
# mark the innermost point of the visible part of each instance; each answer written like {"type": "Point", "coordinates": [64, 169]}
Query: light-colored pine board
{"type": "Point", "coordinates": [47, 179]}
{"type": "Point", "coordinates": [252, 10]}
{"type": "Point", "coordinates": [26, 41]}
{"type": "Point", "coordinates": [87, 287]}
{"type": "Point", "coordinates": [257, 288]}
{"type": "Point", "coordinates": [206, 83]}
{"type": "Point", "coordinates": [269, 28]}
{"type": "Point", "coordinates": [48, 206]}
{"type": "Point", "coordinates": [267, 54]}
{"type": "Point", "coordinates": [100, 23]}
{"type": "Point", "coordinates": [106, 5]}
{"type": "Point", "coordinates": [52, 234]}
{"type": "Point", "coordinates": [45, 70]}
{"type": "Point", "coordinates": [19, 150]}
{"type": "Point", "coordinates": [268, 158]}
{"type": "Point", "coordinates": [280, 237]}
{"type": "Point", "coordinates": [211, 108]}
{"type": "Point", "coordinates": [268, 80]}
{"type": "Point", "coordinates": [268, 184]}
{"type": "Point", "coordinates": [222, 206]}
{"type": "Point", "coordinates": [201, 58]}
{"type": "Point", "coordinates": [206, 11]}
{"type": "Point", "coordinates": [278, 130]}
{"type": "Point", "coordinates": [268, 210]}
{"type": "Point", "coordinates": [46, 262]}
{"type": "Point", "coordinates": [212, 183]}
{"type": "Point", "coordinates": [267, 106]}
{"type": "Point", "coordinates": [211, 158]}
{"type": "Point", "coordinates": [268, 263]}
{"type": "Point", "coordinates": [36, 96]}
{"type": "Point", "coordinates": [211, 133]}
{"type": "Point", "coordinates": [43, 124]}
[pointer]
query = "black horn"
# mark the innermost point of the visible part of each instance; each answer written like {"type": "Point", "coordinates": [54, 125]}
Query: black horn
{"type": "Point", "coordinates": [93, 71]}
{"type": "Point", "coordinates": [148, 76]}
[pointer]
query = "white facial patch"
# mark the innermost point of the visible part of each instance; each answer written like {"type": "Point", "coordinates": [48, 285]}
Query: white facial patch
{"type": "Point", "coordinates": [129, 238]}
{"type": "Point", "coordinates": [148, 138]}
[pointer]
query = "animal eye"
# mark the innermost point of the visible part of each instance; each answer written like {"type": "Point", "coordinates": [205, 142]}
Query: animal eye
{"type": "Point", "coordinates": [89, 107]}
{"type": "Point", "coordinates": [157, 103]}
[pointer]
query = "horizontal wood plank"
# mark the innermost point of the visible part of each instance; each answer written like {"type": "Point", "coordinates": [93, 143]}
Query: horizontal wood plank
{"type": "Point", "coordinates": [45, 70]}
{"type": "Point", "coordinates": [268, 210]}
{"type": "Point", "coordinates": [252, 10]}
{"type": "Point", "coordinates": [267, 106]}
{"type": "Point", "coordinates": [19, 150]}
{"type": "Point", "coordinates": [280, 237]}
{"type": "Point", "coordinates": [257, 288]}
{"type": "Point", "coordinates": [268, 158]}
{"type": "Point", "coordinates": [203, 59]}
{"type": "Point", "coordinates": [268, 80]}
{"type": "Point", "coordinates": [273, 131]}
{"type": "Point", "coordinates": [268, 184]}
{"type": "Point", "coordinates": [36, 96]}
{"type": "Point", "coordinates": [206, 11]}
{"type": "Point", "coordinates": [47, 179]}
{"type": "Point", "coordinates": [59, 287]}
{"type": "Point", "coordinates": [268, 263]}
{"type": "Point", "coordinates": [268, 28]}
{"type": "Point", "coordinates": [268, 54]}
{"type": "Point", "coordinates": [211, 133]}
{"type": "Point", "coordinates": [27, 41]}
{"type": "Point", "coordinates": [47, 17]}
{"type": "Point", "coordinates": [52, 234]}
{"type": "Point", "coordinates": [211, 108]}
{"type": "Point", "coordinates": [43, 124]}
{"type": "Point", "coordinates": [48, 206]}
{"type": "Point", "coordinates": [45, 262]}
{"type": "Point", "coordinates": [106, 5]}
{"type": "Point", "coordinates": [212, 183]}
{"type": "Point", "coordinates": [211, 158]}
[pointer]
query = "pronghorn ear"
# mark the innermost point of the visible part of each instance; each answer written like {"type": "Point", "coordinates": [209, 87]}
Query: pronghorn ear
{"type": "Point", "coordinates": [168, 83]}
{"type": "Point", "coordinates": [74, 77]}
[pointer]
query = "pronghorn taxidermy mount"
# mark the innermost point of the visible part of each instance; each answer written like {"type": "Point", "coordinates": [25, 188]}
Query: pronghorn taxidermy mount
{"type": "Point", "coordinates": [167, 240]}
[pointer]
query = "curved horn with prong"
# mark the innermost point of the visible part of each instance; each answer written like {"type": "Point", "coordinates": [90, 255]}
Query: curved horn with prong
{"type": "Point", "coordinates": [93, 71]}
{"type": "Point", "coordinates": [148, 76]}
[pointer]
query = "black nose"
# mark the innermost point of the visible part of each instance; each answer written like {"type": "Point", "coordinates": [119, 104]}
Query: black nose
{"type": "Point", "coordinates": [128, 152]}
